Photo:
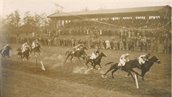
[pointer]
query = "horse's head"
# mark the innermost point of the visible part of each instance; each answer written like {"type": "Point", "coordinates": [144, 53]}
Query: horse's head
{"type": "Point", "coordinates": [8, 48]}
{"type": "Point", "coordinates": [19, 49]}
{"type": "Point", "coordinates": [84, 48]}
{"type": "Point", "coordinates": [155, 59]}
{"type": "Point", "coordinates": [102, 54]}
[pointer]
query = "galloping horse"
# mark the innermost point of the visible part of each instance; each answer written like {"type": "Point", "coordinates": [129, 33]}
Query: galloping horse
{"type": "Point", "coordinates": [6, 52]}
{"type": "Point", "coordinates": [24, 54]}
{"type": "Point", "coordinates": [79, 54]}
{"type": "Point", "coordinates": [36, 49]}
{"type": "Point", "coordinates": [96, 61]}
{"type": "Point", "coordinates": [127, 68]}
{"type": "Point", "coordinates": [134, 64]}
{"type": "Point", "coordinates": [148, 64]}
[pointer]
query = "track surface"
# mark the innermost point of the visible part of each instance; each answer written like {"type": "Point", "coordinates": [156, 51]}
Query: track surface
{"type": "Point", "coordinates": [26, 79]}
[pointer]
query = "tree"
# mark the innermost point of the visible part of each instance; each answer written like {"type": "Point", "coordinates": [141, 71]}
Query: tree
{"type": "Point", "coordinates": [29, 23]}
{"type": "Point", "coordinates": [12, 22]}
{"type": "Point", "coordinates": [37, 23]}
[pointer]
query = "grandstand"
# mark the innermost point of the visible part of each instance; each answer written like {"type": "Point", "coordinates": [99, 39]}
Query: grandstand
{"type": "Point", "coordinates": [143, 28]}
{"type": "Point", "coordinates": [108, 21]}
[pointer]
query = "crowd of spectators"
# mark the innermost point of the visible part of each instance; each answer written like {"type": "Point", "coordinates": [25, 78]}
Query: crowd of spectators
{"type": "Point", "coordinates": [146, 36]}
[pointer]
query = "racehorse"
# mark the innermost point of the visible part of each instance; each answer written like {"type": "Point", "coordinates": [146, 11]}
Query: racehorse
{"type": "Point", "coordinates": [134, 64]}
{"type": "Point", "coordinates": [79, 54]}
{"type": "Point", "coordinates": [24, 54]}
{"type": "Point", "coordinates": [6, 52]}
{"type": "Point", "coordinates": [127, 68]}
{"type": "Point", "coordinates": [96, 61]}
{"type": "Point", "coordinates": [148, 64]}
{"type": "Point", "coordinates": [36, 49]}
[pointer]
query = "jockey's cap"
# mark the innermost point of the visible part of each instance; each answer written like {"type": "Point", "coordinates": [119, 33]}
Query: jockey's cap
{"type": "Point", "coordinates": [148, 54]}
{"type": "Point", "coordinates": [127, 54]}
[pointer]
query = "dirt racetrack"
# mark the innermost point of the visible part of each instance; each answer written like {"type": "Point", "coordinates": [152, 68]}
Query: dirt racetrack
{"type": "Point", "coordinates": [26, 79]}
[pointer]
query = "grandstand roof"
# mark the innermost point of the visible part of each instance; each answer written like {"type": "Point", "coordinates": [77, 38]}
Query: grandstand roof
{"type": "Point", "coordinates": [107, 11]}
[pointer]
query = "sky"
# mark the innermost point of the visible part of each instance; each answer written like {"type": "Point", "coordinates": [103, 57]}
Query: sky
{"type": "Point", "coordinates": [48, 6]}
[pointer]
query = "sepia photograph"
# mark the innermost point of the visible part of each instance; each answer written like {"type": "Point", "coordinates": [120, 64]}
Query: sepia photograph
{"type": "Point", "coordinates": [85, 48]}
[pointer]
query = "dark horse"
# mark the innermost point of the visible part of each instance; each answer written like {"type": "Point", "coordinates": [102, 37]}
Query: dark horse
{"type": "Point", "coordinates": [96, 61]}
{"type": "Point", "coordinates": [36, 49]}
{"type": "Point", "coordinates": [79, 54]}
{"type": "Point", "coordinates": [6, 52]}
{"type": "Point", "coordinates": [134, 64]}
{"type": "Point", "coordinates": [127, 68]}
{"type": "Point", "coordinates": [24, 54]}
{"type": "Point", "coordinates": [148, 64]}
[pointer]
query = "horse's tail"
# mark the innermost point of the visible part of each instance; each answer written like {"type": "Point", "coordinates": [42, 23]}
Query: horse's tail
{"type": "Point", "coordinates": [108, 63]}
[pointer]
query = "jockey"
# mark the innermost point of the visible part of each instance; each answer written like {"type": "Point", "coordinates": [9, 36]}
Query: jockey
{"type": "Point", "coordinates": [95, 54]}
{"type": "Point", "coordinates": [35, 44]}
{"type": "Point", "coordinates": [123, 59]}
{"type": "Point", "coordinates": [143, 58]}
{"type": "Point", "coordinates": [77, 47]}
{"type": "Point", "coordinates": [4, 48]}
{"type": "Point", "coordinates": [24, 47]}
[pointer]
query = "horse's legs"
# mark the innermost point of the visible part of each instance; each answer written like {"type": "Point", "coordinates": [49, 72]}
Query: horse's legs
{"type": "Point", "coordinates": [100, 66]}
{"type": "Point", "coordinates": [27, 57]}
{"type": "Point", "coordinates": [107, 71]}
{"type": "Point", "coordinates": [93, 65]}
{"type": "Point", "coordinates": [66, 58]}
{"type": "Point", "coordinates": [131, 74]}
{"type": "Point", "coordinates": [79, 59]}
{"type": "Point", "coordinates": [114, 72]}
{"type": "Point", "coordinates": [2, 54]}
{"type": "Point", "coordinates": [143, 74]}
{"type": "Point", "coordinates": [135, 72]}
{"type": "Point", "coordinates": [86, 63]}
{"type": "Point", "coordinates": [112, 67]}
{"type": "Point", "coordinates": [22, 57]}
{"type": "Point", "coordinates": [71, 58]}
{"type": "Point", "coordinates": [143, 78]}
